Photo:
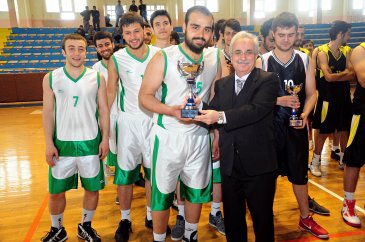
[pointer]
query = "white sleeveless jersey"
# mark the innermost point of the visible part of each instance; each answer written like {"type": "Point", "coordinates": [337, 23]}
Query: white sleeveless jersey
{"type": "Point", "coordinates": [131, 70]}
{"type": "Point", "coordinates": [75, 105]}
{"type": "Point", "coordinates": [174, 88]}
{"type": "Point", "coordinates": [102, 68]}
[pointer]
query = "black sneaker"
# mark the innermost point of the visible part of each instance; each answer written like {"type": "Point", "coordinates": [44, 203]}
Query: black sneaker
{"type": "Point", "coordinates": [87, 233]}
{"type": "Point", "coordinates": [122, 233]}
{"type": "Point", "coordinates": [335, 154]}
{"type": "Point", "coordinates": [140, 182]}
{"type": "Point", "coordinates": [316, 208]}
{"type": "Point", "coordinates": [55, 235]}
{"type": "Point", "coordinates": [149, 224]}
{"type": "Point", "coordinates": [194, 234]}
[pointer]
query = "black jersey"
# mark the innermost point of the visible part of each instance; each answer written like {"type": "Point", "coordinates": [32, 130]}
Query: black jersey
{"type": "Point", "coordinates": [335, 91]}
{"type": "Point", "coordinates": [359, 96]}
{"type": "Point", "coordinates": [291, 73]}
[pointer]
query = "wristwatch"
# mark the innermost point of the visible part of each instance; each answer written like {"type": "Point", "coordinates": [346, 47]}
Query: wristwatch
{"type": "Point", "coordinates": [220, 117]}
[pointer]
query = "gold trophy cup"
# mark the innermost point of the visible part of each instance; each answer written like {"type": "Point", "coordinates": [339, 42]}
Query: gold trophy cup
{"type": "Point", "coordinates": [190, 71]}
{"type": "Point", "coordinates": [294, 120]}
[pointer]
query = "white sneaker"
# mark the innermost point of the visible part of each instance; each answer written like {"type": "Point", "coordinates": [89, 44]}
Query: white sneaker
{"type": "Point", "coordinates": [315, 170]}
{"type": "Point", "coordinates": [311, 145]}
{"type": "Point", "coordinates": [349, 213]}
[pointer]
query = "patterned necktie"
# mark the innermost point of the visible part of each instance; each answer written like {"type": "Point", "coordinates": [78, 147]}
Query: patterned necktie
{"type": "Point", "coordinates": [240, 83]}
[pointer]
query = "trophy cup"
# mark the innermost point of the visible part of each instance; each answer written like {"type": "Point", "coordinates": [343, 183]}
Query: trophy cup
{"type": "Point", "coordinates": [190, 71]}
{"type": "Point", "coordinates": [294, 120]}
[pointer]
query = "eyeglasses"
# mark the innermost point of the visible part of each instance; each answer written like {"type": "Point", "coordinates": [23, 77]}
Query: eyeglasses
{"type": "Point", "coordinates": [245, 53]}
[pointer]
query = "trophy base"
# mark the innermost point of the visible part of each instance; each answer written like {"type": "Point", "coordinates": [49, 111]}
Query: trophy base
{"type": "Point", "coordinates": [295, 123]}
{"type": "Point", "coordinates": [189, 113]}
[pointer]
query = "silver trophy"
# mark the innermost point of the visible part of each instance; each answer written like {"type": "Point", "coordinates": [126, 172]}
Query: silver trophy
{"type": "Point", "coordinates": [190, 71]}
{"type": "Point", "coordinates": [294, 120]}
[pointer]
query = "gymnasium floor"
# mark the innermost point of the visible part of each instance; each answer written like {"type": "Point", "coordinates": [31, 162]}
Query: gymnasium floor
{"type": "Point", "coordinates": [23, 194]}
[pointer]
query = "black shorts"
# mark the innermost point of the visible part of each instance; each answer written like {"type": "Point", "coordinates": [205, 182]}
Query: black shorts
{"type": "Point", "coordinates": [292, 152]}
{"type": "Point", "coordinates": [355, 150]}
{"type": "Point", "coordinates": [316, 118]}
{"type": "Point", "coordinates": [335, 116]}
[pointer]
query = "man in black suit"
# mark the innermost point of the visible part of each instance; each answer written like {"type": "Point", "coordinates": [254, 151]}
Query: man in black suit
{"type": "Point", "coordinates": [243, 106]}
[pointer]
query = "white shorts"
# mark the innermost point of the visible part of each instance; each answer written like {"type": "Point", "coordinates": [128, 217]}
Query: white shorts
{"type": "Point", "coordinates": [133, 146]}
{"type": "Point", "coordinates": [187, 156]}
{"type": "Point", "coordinates": [64, 175]}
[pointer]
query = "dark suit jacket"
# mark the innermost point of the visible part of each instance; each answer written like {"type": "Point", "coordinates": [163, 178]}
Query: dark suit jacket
{"type": "Point", "coordinates": [249, 129]}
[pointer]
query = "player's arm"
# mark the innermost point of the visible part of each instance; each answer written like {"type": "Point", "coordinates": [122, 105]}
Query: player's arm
{"type": "Point", "coordinates": [310, 93]}
{"type": "Point", "coordinates": [314, 59]}
{"type": "Point", "coordinates": [221, 72]}
{"type": "Point", "coordinates": [152, 80]}
{"type": "Point", "coordinates": [48, 120]}
{"type": "Point", "coordinates": [328, 75]}
{"type": "Point", "coordinates": [113, 77]}
{"type": "Point", "coordinates": [358, 62]}
{"type": "Point", "coordinates": [349, 66]}
{"type": "Point", "coordinates": [103, 118]}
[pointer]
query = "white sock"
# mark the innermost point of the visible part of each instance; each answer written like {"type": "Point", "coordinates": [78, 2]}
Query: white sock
{"type": "Point", "coordinates": [87, 215]}
{"type": "Point", "coordinates": [315, 160]}
{"type": "Point", "coordinates": [149, 213]}
{"type": "Point", "coordinates": [181, 210]}
{"type": "Point", "coordinates": [189, 229]}
{"type": "Point", "coordinates": [341, 156]}
{"type": "Point", "coordinates": [159, 237]}
{"type": "Point", "coordinates": [57, 220]}
{"type": "Point", "coordinates": [215, 207]}
{"type": "Point", "coordinates": [126, 214]}
{"type": "Point", "coordinates": [334, 148]}
{"type": "Point", "coordinates": [349, 195]}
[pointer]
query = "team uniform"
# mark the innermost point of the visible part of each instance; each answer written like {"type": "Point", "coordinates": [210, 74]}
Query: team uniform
{"type": "Point", "coordinates": [112, 154]}
{"type": "Point", "coordinates": [355, 153]}
{"type": "Point", "coordinates": [77, 135]}
{"type": "Point", "coordinates": [134, 123]}
{"type": "Point", "coordinates": [292, 144]}
{"type": "Point", "coordinates": [181, 149]}
{"type": "Point", "coordinates": [335, 108]}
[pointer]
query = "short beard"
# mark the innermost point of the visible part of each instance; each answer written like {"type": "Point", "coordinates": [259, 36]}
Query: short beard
{"type": "Point", "coordinates": [196, 50]}
{"type": "Point", "coordinates": [135, 48]}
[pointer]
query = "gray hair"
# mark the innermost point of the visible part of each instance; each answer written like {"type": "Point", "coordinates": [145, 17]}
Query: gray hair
{"type": "Point", "coordinates": [244, 35]}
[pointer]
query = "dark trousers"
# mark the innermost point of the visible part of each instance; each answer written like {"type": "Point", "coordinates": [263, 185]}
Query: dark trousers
{"type": "Point", "coordinates": [258, 193]}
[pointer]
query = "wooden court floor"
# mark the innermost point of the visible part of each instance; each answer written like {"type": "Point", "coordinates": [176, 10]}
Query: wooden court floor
{"type": "Point", "coordinates": [23, 194]}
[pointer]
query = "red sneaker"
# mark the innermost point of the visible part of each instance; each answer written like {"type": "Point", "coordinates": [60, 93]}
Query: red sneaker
{"type": "Point", "coordinates": [309, 225]}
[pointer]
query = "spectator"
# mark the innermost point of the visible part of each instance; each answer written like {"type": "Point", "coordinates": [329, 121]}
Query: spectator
{"type": "Point", "coordinates": [107, 21]}
{"type": "Point", "coordinates": [119, 11]}
{"type": "Point", "coordinates": [174, 38]}
{"type": "Point", "coordinates": [91, 34]}
{"type": "Point", "coordinates": [147, 37]}
{"type": "Point", "coordinates": [133, 7]}
{"type": "Point", "coordinates": [117, 36]}
{"type": "Point", "coordinates": [143, 10]}
{"type": "Point", "coordinates": [80, 31]}
{"type": "Point", "coordinates": [86, 18]}
{"type": "Point", "coordinates": [96, 18]}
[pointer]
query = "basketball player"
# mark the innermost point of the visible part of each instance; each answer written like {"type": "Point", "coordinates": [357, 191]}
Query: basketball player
{"type": "Point", "coordinates": [293, 68]}
{"type": "Point", "coordinates": [336, 70]}
{"type": "Point", "coordinates": [74, 102]}
{"type": "Point", "coordinates": [134, 123]}
{"type": "Point", "coordinates": [229, 29]}
{"type": "Point", "coordinates": [267, 37]}
{"type": "Point", "coordinates": [354, 157]}
{"type": "Point", "coordinates": [180, 146]}
{"type": "Point", "coordinates": [161, 26]}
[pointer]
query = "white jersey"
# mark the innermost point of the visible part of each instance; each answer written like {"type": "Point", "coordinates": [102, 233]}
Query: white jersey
{"type": "Point", "coordinates": [131, 70]}
{"type": "Point", "coordinates": [102, 68]}
{"type": "Point", "coordinates": [75, 105]}
{"type": "Point", "coordinates": [174, 89]}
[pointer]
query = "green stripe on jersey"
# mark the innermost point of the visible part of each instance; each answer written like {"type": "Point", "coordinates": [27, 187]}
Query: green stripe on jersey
{"type": "Point", "coordinates": [71, 78]}
{"type": "Point", "coordinates": [165, 64]}
{"type": "Point", "coordinates": [163, 100]}
{"type": "Point", "coordinates": [189, 58]}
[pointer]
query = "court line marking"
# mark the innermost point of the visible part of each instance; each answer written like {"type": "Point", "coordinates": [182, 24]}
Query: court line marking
{"type": "Point", "coordinates": [334, 194]}
{"type": "Point", "coordinates": [37, 219]}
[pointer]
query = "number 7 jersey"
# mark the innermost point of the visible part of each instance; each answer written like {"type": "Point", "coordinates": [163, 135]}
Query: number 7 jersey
{"type": "Point", "coordinates": [76, 112]}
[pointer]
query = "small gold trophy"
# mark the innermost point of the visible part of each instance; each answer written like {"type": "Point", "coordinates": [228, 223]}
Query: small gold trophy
{"type": "Point", "coordinates": [190, 71]}
{"type": "Point", "coordinates": [294, 120]}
